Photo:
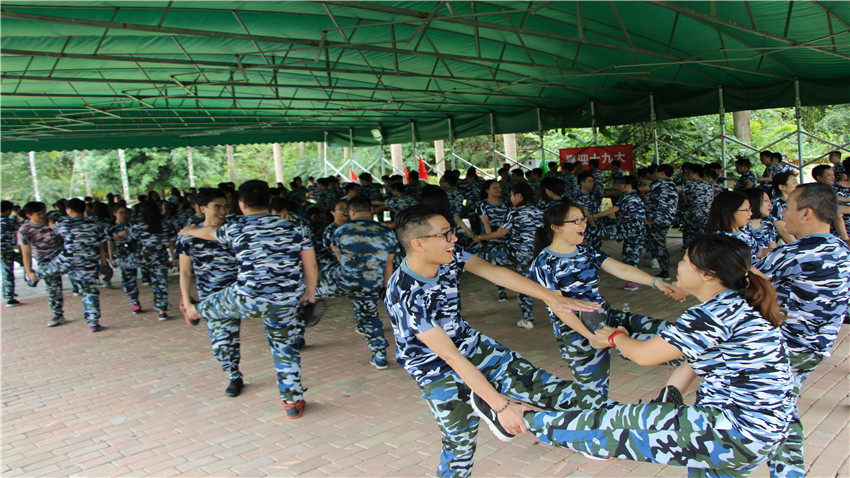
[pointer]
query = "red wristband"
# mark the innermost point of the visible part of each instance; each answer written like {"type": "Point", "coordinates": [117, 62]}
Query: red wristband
{"type": "Point", "coordinates": [611, 337]}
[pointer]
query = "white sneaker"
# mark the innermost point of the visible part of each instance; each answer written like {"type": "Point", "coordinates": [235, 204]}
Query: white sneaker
{"type": "Point", "coordinates": [654, 264]}
{"type": "Point", "coordinates": [525, 324]}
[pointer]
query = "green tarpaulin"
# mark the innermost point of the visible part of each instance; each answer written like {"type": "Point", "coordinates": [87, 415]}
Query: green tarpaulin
{"type": "Point", "coordinates": [98, 75]}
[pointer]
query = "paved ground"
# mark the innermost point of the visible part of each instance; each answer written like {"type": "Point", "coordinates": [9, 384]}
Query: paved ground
{"type": "Point", "coordinates": [145, 398]}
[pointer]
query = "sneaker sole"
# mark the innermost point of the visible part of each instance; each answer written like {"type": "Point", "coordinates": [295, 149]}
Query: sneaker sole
{"type": "Point", "coordinates": [499, 434]}
{"type": "Point", "coordinates": [379, 367]}
{"type": "Point", "coordinates": [192, 322]}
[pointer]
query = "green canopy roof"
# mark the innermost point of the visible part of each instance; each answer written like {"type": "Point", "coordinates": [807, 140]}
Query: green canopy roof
{"type": "Point", "coordinates": [89, 75]}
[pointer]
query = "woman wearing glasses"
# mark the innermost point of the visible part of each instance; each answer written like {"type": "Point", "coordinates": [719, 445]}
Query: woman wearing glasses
{"type": "Point", "coordinates": [562, 263]}
{"type": "Point", "coordinates": [730, 214]}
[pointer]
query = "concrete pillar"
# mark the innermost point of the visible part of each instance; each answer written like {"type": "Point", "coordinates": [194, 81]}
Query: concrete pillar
{"type": "Point", "coordinates": [510, 145]}
{"type": "Point", "coordinates": [278, 165]}
{"type": "Point", "coordinates": [398, 160]}
{"type": "Point", "coordinates": [440, 156]}
{"type": "Point", "coordinates": [231, 163]}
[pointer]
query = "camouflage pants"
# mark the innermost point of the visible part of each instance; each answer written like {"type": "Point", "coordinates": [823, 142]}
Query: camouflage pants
{"type": "Point", "coordinates": [788, 460]}
{"type": "Point", "coordinates": [501, 253]}
{"type": "Point", "coordinates": [591, 367]}
{"type": "Point", "coordinates": [656, 244]}
{"type": "Point", "coordinates": [632, 233]}
{"type": "Point", "coordinates": [224, 338]}
{"type": "Point", "coordinates": [693, 224]}
{"type": "Point", "coordinates": [159, 286]}
{"type": "Point", "coordinates": [7, 273]}
{"type": "Point", "coordinates": [365, 305]}
{"type": "Point", "coordinates": [86, 279]}
{"type": "Point", "coordinates": [512, 376]}
{"type": "Point", "coordinates": [284, 327]}
{"type": "Point", "coordinates": [130, 284]}
{"type": "Point", "coordinates": [700, 438]}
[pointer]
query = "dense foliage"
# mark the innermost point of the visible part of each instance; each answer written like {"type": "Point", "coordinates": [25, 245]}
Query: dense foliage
{"type": "Point", "coordinates": [61, 173]}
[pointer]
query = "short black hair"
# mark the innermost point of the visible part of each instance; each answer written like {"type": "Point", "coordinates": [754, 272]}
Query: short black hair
{"type": "Point", "coordinates": [553, 184]}
{"type": "Point", "coordinates": [207, 195]}
{"type": "Point", "coordinates": [255, 193]}
{"type": "Point", "coordinates": [360, 203]}
{"type": "Point", "coordinates": [33, 207]}
{"type": "Point", "coordinates": [413, 221]}
{"type": "Point", "coordinates": [666, 169]}
{"type": "Point", "coordinates": [366, 176]}
{"type": "Point", "coordinates": [819, 170]}
{"type": "Point", "coordinates": [77, 205]}
{"type": "Point", "coordinates": [6, 205]}
{"type": "Point", "coordinates": [818, 197]}
{"type": "Point", "coordinates": [630, 180]}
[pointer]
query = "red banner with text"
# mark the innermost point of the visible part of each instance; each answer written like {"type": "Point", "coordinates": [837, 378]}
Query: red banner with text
{"type": "Point", "coordinates": [623, 153]}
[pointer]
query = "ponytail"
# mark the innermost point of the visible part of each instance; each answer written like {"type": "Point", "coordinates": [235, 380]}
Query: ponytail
{"type": "Point", "coordinates": [728, 259]}
{"type": "Point", "coordinates": [552, 216]}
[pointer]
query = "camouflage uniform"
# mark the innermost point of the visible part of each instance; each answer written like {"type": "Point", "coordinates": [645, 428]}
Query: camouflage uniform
{"type": "Point", "coordinates": [764, 235]}
{"type": "Point", "coordinates": [79, 259]}
{"type": "Point", "coordinates": [842, 191]}
{"type": "Point", "coordinates": [364, 246]}
{"type": "Point", "coordinates": [126, 253]}
{"type": "Point", "coordinates": [455, 202]}
{"type": "Point", "coordinates": [662, 200]}
{"type": "Point", "coordinates": [8, 245]}
{"type": "Point", "coordinates": [324, 254]}
{"type": "Point", "coordinates": [496, 215]}
{"type": "Point", "coordinates": [745, 235]}
{"type": "Point", "coordinates": [396, 204]}
{"type": "Point", "coordinates": [631, 228]}
{"type": "Point", "coordinates": [417, 304]}
{"type": "Point", "coordinates": [742, 181]}
{"type": "Point", "coordinates": [45, 246]}
{"type": "Point", "coordinates": [215, 268]}
{"type": "Point", "coordinates": [576, 276]}
{"type": "Point", "coordinates": [514, 251]}
{"type": "Point", "coordinates": [739, 417]}
{"type": "Point", "coordinates": [371, 191]}
{"type": "Point", "coordinates": [154, 257]}
{"type": "Point", "coordinates": [269, 284]}
{"type": "Point", "coordinates": [570, 186]}
{"type": "Point", "coordinates": [812, 277]}
{"type": "Point", "coordinates": [698, 196]}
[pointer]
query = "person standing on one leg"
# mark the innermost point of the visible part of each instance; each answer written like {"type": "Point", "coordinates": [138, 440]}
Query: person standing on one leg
{"type": "Point", "coordinates": [662, 201]}
{"type": "Point", "coordinates": [365, 249]}
{"type": "Point", "coordinates": [8, 243]}
{"type": "Point", "coordinates": [37, 240]}
{"type": "Point", "coordinates": [812, 280]}
{"type": "Point", "coordinates": [215, 268]}
{"type": "Point", "coordinates": [277, 271]}
{"type": "Point", "coordinates": [449, 359]}
{"type": "Point", "coordinates": [83, 252]}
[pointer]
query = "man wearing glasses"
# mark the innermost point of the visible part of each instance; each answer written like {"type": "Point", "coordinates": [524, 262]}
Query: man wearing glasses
{"type": "Point", "coordinates": [449, 359]}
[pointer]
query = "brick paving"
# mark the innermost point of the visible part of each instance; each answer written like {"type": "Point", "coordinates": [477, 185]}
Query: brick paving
{"type": "Point", "coordinates": [146, 398]}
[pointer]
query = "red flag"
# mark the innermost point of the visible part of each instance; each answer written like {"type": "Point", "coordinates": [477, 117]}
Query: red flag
{"type": "Point", "coordinates": [353, 176]}
{"type": "Point", "coordinates": [423, 173]}
{"type": "Point", "coordinates": [406, 176]}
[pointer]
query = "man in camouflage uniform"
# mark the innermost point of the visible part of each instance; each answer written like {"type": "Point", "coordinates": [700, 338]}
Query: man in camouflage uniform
{"type": "Point", "coordinates": [399, 200]}
{"type": "Point", "coordinates": [39, 241]}
{"type": "Point", "coordinates": [215, 268]}
{"type": "Point", "coordinates": [662, 201]}
{"type": "Point", "coordinates": [8, 244]}
{"type": "Point", "coordinates": [366, 250]}
{"type": "Point", "coordinates": [448, 358]}
{"type": "Point", "coordinates": [699, 194]}
{"type": "Point", "coordinates": [277, 271]}
{"type": "Point", "coordinates": [83, 251]}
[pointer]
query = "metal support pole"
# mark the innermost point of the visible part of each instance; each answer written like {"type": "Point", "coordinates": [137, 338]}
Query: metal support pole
{"type": "Point", "coordinates": [593, 122]}
{"type": "Point", "coordinates": [722, 113]}
{"type": "Point", "coordinates": [452, 143]}
{"type": "Point", "coordinates": [798, 114]}
{"type": "Point", "coordinates": [351, 147]}
{"type": "Point", "coordinates": [325, 153]}
{"type": "Point", "coordinates": [34, 176]}
{"type": "Point", "coordinates": [493, 140]}
{"type": "Point", "coordinates": [413, 136]}
{"type": "Point", "coordinates": [383, 157]}
{"type": "Point", "coordinates": [540, 133]}
{"type": "Point", "coordinates": [125, 182]}
{"type": "Point", "coordinates": [655, 159]}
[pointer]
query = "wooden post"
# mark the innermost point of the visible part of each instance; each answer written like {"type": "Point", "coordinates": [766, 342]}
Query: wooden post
{"type": "Point", "coordinates": [278, 165]}
{"type": "Point", "coordinates": [34, 176]}
{"type": "Point", "coordinates": [125, 182]}
{"type": "Point", "coordinates": [191, 166]}
{"type": "Point", "coordinates": [231, 164]}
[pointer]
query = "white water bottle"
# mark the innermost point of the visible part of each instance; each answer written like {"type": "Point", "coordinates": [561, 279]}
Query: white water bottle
{"type": "Point", "coordinates": [626, 307]}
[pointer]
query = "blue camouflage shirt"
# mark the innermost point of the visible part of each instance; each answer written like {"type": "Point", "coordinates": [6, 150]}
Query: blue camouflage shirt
{"type": "Point", "coordinates": [662, 201]}
{"type": "Point", "coordinates": [126, 250]}
{"type": "Point", "coordinates": [631, 207]}
{"type": "Point", "coordinates": [268, 254]}
{"type": "Point", "coordinates": [699, 196]}
{"type": "Point", "coordinates": [82, 238]}
{"type": "Point", "coordinates": [328, 235]}
{"type": "Point", "coordinates": [587, 201]}
{"type": "Point", "coordinates": [417, 304]}
{"type": "Point", "coordinates": [575, 274]}
{"type": "Point", "coordinates": [455, 201]}
{"type": "Point", "coordinates": [522, 223]}
{"type": "Point", "coordinates": [743, 363]}
{"type": "Point", "coordinates": [745, 234]}
{"type": "Point", "coordinates": [214, 263]}
{"type": "Point", "coordinates": [396, 204]}
{"type": "Point", "coordinates": [364, 246]}
{"type": "Point", "coordinates": [812, 280]}
{"type": "Point", "coordinates": [764, 235]}
{"type": "Point", "coordinates": [745, 178]}
{"type": "Point", "coordinates": [779, 204]}
{"type": "Point", "coordinates": [496, 213]}
{"type": "Point", "coordinates": [8, 233]}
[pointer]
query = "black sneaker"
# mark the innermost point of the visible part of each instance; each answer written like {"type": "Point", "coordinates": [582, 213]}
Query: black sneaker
{"type": "Point", "coordinates": [96, 328]}
{"type": "Point", "coordinates": [295, 410]}
{"type": "Point", "coordinates": [379, 360]}
{"type": "Point", "coordinates": [235, 387]}
{"type": "Point", "coordinates": [664, 274]}
{"type": "Point", "coordinates": [489, 416]}
{"type": "Point", "coordinates": [669, 394]}
{"type": "Point", "coordinates": [503, 296]}
{"type": "Point", "coordinates": [58, 320]}
{"type": "Point", "coordinates": [31, 283]}
{"type": "Point", "coordinates": [313, 312]}
{"type": "Point", "coordinates": [12, 303]}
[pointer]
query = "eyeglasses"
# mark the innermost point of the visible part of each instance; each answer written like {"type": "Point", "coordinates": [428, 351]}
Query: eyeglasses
{"type": "Point", "coordinates": [448, 235]}
{"type": "Point", "coordinates": [581, 220]}
{"type": "Point", "coordinates": [745, 210]}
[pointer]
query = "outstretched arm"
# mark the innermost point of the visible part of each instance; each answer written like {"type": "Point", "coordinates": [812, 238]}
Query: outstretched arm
{"type": "Point", "coordinates": [207, 232]}
{"type": "Point", "coordinates": [510, 279]}
{"type": "Point", "coordinates": [654, 351]}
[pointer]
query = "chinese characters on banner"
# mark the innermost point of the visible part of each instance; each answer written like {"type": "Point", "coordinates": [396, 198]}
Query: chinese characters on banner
{"type": "Point", "coordinates": [605, 154]}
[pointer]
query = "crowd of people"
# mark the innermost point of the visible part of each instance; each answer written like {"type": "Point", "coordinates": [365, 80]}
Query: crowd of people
{"type": "Point", "coordinates": [768, 260]}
